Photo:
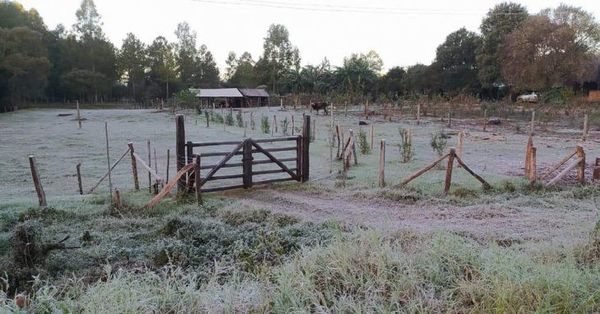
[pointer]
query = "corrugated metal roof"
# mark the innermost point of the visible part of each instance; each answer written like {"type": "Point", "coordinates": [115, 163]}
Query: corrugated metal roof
{"type": "Point", "coordinates": [254, 92]}
{"type": "Point", "coordinates": [218, 93]}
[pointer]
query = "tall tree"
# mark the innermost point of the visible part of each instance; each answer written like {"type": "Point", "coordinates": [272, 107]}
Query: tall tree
{"type": "Point", "coordinates": [186, 54]}
{"type": "Point", "coordinates": [500, 21]}
{"type": "Point", "coordinates": [89, 25]}
{"type": "Point", "coordinates": [244, 75]}
{"type": "Point", "coordinates": [132, 62]}
{"type": "Point", "coordinates": [208, 72]}
{"type": "Point", "coordinates": [456, 59]}
{"type": "Point", "coordinates": [279, 56]}
{"type": "Point", "coordinates": [232, 63]}
{"type": "Point", "coordinates": [163, 68]}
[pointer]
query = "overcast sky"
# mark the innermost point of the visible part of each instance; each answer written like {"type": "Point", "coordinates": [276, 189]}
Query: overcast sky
{"type": "Point", "coordinates": [402, 32]}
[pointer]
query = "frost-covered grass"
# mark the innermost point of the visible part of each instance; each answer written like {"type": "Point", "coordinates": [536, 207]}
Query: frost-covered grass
{"type": "Point", "coordinates": [361, 271]}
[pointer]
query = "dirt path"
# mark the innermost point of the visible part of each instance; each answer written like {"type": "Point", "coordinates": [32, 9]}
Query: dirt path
{"type": "Point", "coordinates": [505, 224]}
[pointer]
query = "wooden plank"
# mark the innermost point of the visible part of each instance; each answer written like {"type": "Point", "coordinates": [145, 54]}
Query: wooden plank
{"type": "Point", "coordinates": [180, 149]}
{"type": "Point", "coordinates": [148, 168]}
{"type": "Point", "coordinates": [268, 161]}
{"type": "Point", "coordinates": [223, 161]}
{"type": "Point", "coordinates": [225, 177]}
{"type": "Point", "coordinates": [263, 172]}
{"type": "Point", "coordinates": [306, 149]}
{"type": "Point", "coordinates": [560, 163]}
{"type": "Point", "coordinates": [169, 186]}
{"type": "Point", "coordinates": [448, 179]}
{"type": "Point", "coordinates": [479, 178]}
{"type": "Point", "coordinates": [214, 154]}
{"type": "Point", "coordinates": [197, 179]}
{"type": "Point", "coordinates": [564, 172]}
{"type": "Point", "coordinates": [79, 184]}
{"type": "Point", "coordinates": [421, 171]}
{"type": "Point", "coordinates": [37, 183]}
{"type": "Point", "coordinates": [106, 174]}
{"type": "Point", "coordinates": [279, 163]}
{"type": "Point", "coordinates": [277, 149]}
{"type": "Point", "coordinates": [205, 144]}
{"type": "Point", "coordinates": [247, 164]}
{"type": "Point", "coordinates": [276, 139]}
{"type": "Point", "coordinates": [382, 164]}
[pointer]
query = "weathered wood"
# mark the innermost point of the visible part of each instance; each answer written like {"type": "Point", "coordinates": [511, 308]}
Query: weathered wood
{"type": "Point", "coordinates": [353, 147]}
{"type": "Point", "coordinates": [557, 166]}
{"type": "Point", "coordinates": [221, 163]}
{"type": "Point", "coordinates": [448, 180]}
{"type": "Point", "coordinates": [274, 171]}
{"type": "Point", "coordinates": [337, 132]}
{"type": "Point", "coordinates": [348, 142]}
{"type": "Point", "coordinates": [117, 199]}
{"type": "Point", "coordinates": [478, 177]}
{"type": "Point", "coordinates": [197, 179]}
{"type": "Point", "coordinates": [564, 172]}
{"type": "Point", "coordinates": [272, 158]}
{"type": "Point", "coordinates": [306, 149]}
{"type": "Point", "coordinates": [168, 163]}
{"type": "Point", "coordinates": [37, 183]}
{"type": "Point", "coordinates": [418, 114]}
{"type": "Point", "coordinates": [180, 150]}
{"type": "Point", "coordinates": [581, 165]}
{"type": "Point", "coordinates": [532, 124]}
{"type": "Point", "coordinates": [170, 185]}
{"type": "Point", "coordinates": [79, 184]}
{"type": "Point", "coordinates": [147, 167]}
{"type": "Point", "coordinates": [108, 160]}
{"type": "Point", "coordinates": [107, 173]}
{"type": "Point", "coordinates": [533, 166]}
{"type": "Point", "coordinates": [460, 144]}
{"type": "Point", "coordinates": [382, 164]}
{"type": "Point", "coordinates": [298, 158]}
{"type": "Point", "coordinates": [204, 144]}
{"type": "Point", "coordinates": [134, 171]}
{"type": "Point", "coordinates": [214, 154]}
{"type": "Point", "coordinates": [293, 125]}
{"type": "Point", "coordinates": [247, 164]}
{"type": "Point", "coordinates": [421, 171]}
{"type": "Point", "coordinates": [596, 175]}
{"type": "Point", "coordinates": [528, 156]}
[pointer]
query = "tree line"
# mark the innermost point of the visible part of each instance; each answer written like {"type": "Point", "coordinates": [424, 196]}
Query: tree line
{"type": "Point", "coordinates": [557, 49]}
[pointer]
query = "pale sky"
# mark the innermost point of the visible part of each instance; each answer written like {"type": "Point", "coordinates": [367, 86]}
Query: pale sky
{"type": "Point", "coordinates": [402, 32]}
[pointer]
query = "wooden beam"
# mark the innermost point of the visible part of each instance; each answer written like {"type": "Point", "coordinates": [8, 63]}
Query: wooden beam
{"type": "Point", "coordinates": [479, 178]}
{"type": "Point", "coordinates": [448, 179]}
{"type": "Point", "coordinates": [151, 171]}
{"type": "Point", "coordinates": [180, 149]}
{"type": "Point", "coordinates": [564, 172]}
{"type": "Point", "coordinates": [37, 183]}
{"type": "Point", "coordinates": [107, 173]}
{"type": "Point", "coordinates": [421, 171]}
{"type": "Point", "coordinates": [169, 186]}
{"type": "Point", "coordinates": [560, 163]}
{"type": "Point", "coordinates": [134, 172]}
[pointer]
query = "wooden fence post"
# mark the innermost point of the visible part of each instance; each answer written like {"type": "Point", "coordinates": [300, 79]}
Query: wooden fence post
{"type": "Point", "coordinates": [418, 114]}
{"type": "Point", "coordinates": [533, 166]}
{"type": "Point", "coordinates": [448, 180]}
{"type": "Point", "coordinates": [108, 161]}
{"type": "Point", "coordinates": [149, 165]}
{"type": "Point", "coordinates": [117, 199]}
{"type": "Point", "coordinates": [78, 115]}
{"type": "Point", "coordinates": [197, 181]}
{"type": "Point", "coordinates": [168, 164]}
{"type": "Point", "coordinates": [337, 132]}
{"type": "Point", "coordinates": [581, 165]}
{"type": "Point", "coordinates": [353, 147]}
{"type": "Point", "coordinates": [306, 148]}
{"type": "Point", "coordinates": [372, 136]}
{"type": "Point", "coordinates": [485, 120]}
{"type": "Point", "coordinates": [37, 183]}
{"type": "Point", "coordinates": [596, 175]}
{"type": "Point", "coordinates": [299, 153]}
{"type": "Point", "coordinates": [293, 126]}
{"type": "Point", "coordinates": [459, 146]}
{"type": "Point", "coordinates": [247, 164]}
{"type": "Point", "coordinates": [134, 171]}
{"type": "Point", "coordinates": [382, 164]}
{"type": "Point", "coordinates": [78, 167]}
{"type": "Point", "coordinates": [528, 156]}
{"type": "Point", "coordinates": [180, 149]}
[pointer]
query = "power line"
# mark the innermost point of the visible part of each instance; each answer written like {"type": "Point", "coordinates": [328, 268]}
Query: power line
{"type": "Point", "coordinates": [313, 7]}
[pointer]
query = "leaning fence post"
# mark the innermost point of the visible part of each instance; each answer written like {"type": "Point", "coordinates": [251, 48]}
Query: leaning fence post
{"type": "Point", "coordinates": [581, 165]}
{"type": "Point", "coordinates": [180, 149]}
{"type": "Point", "coordinates": [306, 148]}
{"type": "Point", "coordinates": [78, 167]}
{"type": "Point", "coordinates": [134, 171]}
{"type": "Point", "coordinates": [37, 183]}
{"type": "Point", "coordinates": [382, 164]}
{"type": "Point", "coordinates": [448, 180]}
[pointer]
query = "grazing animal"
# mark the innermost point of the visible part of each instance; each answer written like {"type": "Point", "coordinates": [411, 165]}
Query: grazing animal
{"type": "Point", "coordinates": [320, 106]}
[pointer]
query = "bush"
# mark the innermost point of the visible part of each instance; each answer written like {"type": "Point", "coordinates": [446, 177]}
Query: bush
{"type": "Point", "coordinates": [229, 118]}
{"type": "Point", "coordinates": [405, 146]}
{"type": "Point", "coordinates": [439, 143]}
{"type": "Point", "coordinates": [363, 145]}
{"type": "Point", "coordinates": [284, 125]}
{"type": "Point", "coordinates": [264, 125]}
{"type": "Point", "coordinates": [240, 119]}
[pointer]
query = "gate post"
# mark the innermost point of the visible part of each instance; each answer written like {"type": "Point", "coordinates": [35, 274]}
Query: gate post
{"type": "Point", "coordinates": [247, 163]}
{"type": "Point", "coordinates": [305, 148]}
{"type": "Point", "coordinates": [180, 150]}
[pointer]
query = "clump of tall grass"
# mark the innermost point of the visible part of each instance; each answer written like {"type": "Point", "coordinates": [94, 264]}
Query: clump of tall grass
{"type": "Point", "coordinates": [240, 119]}
{"type": "Point", "coordinates": [405, 146]}
{"type": "Point", "coordinates": [229, 118]}
{"type": "Point", "coordinates": [363, 144]}
{"type": "Point", "coordinates": [265, 126]}
{"type": "Point", "coordinates": [284, 126]}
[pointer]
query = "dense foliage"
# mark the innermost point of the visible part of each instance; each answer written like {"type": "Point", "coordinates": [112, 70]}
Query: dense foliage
{"type": "Point", "coordinates": [515, 51]}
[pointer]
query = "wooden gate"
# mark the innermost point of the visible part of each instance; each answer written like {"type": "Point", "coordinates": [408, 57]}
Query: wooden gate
{"type": "Point", "coordinates": [290, 157]}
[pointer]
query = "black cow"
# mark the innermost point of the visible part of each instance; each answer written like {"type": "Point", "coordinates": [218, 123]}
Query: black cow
{"type": "Point", "coordinates": [320, 106]}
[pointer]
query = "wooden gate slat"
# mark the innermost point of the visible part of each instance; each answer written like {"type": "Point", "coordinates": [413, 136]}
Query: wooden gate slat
{"type": "Point", "coordinates": [272, 158]}
{"type": "Point", "coordinates": [221, 163]}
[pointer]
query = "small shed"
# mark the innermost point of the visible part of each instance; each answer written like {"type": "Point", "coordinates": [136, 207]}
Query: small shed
{"type": "Point", "coordinates": [255, 97]}
{"type": "Point", "coordinates": [232, 97]}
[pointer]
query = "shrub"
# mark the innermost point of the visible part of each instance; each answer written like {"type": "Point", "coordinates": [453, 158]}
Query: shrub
{"type": "Point", "coordinates": [363, 145]}
{"type": "Point", "coordinates": [439, 143]}
{"type": "Point", "coordinates": [265, 126]}
{"type": "Point", "coordinates": [284, 126]}
{"type": "Point", "coordinates": [405, 146]}
{"type": "Point", "coordinates": [229, 118]}
{"type": "Point", "coordinates": [252, 123]}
